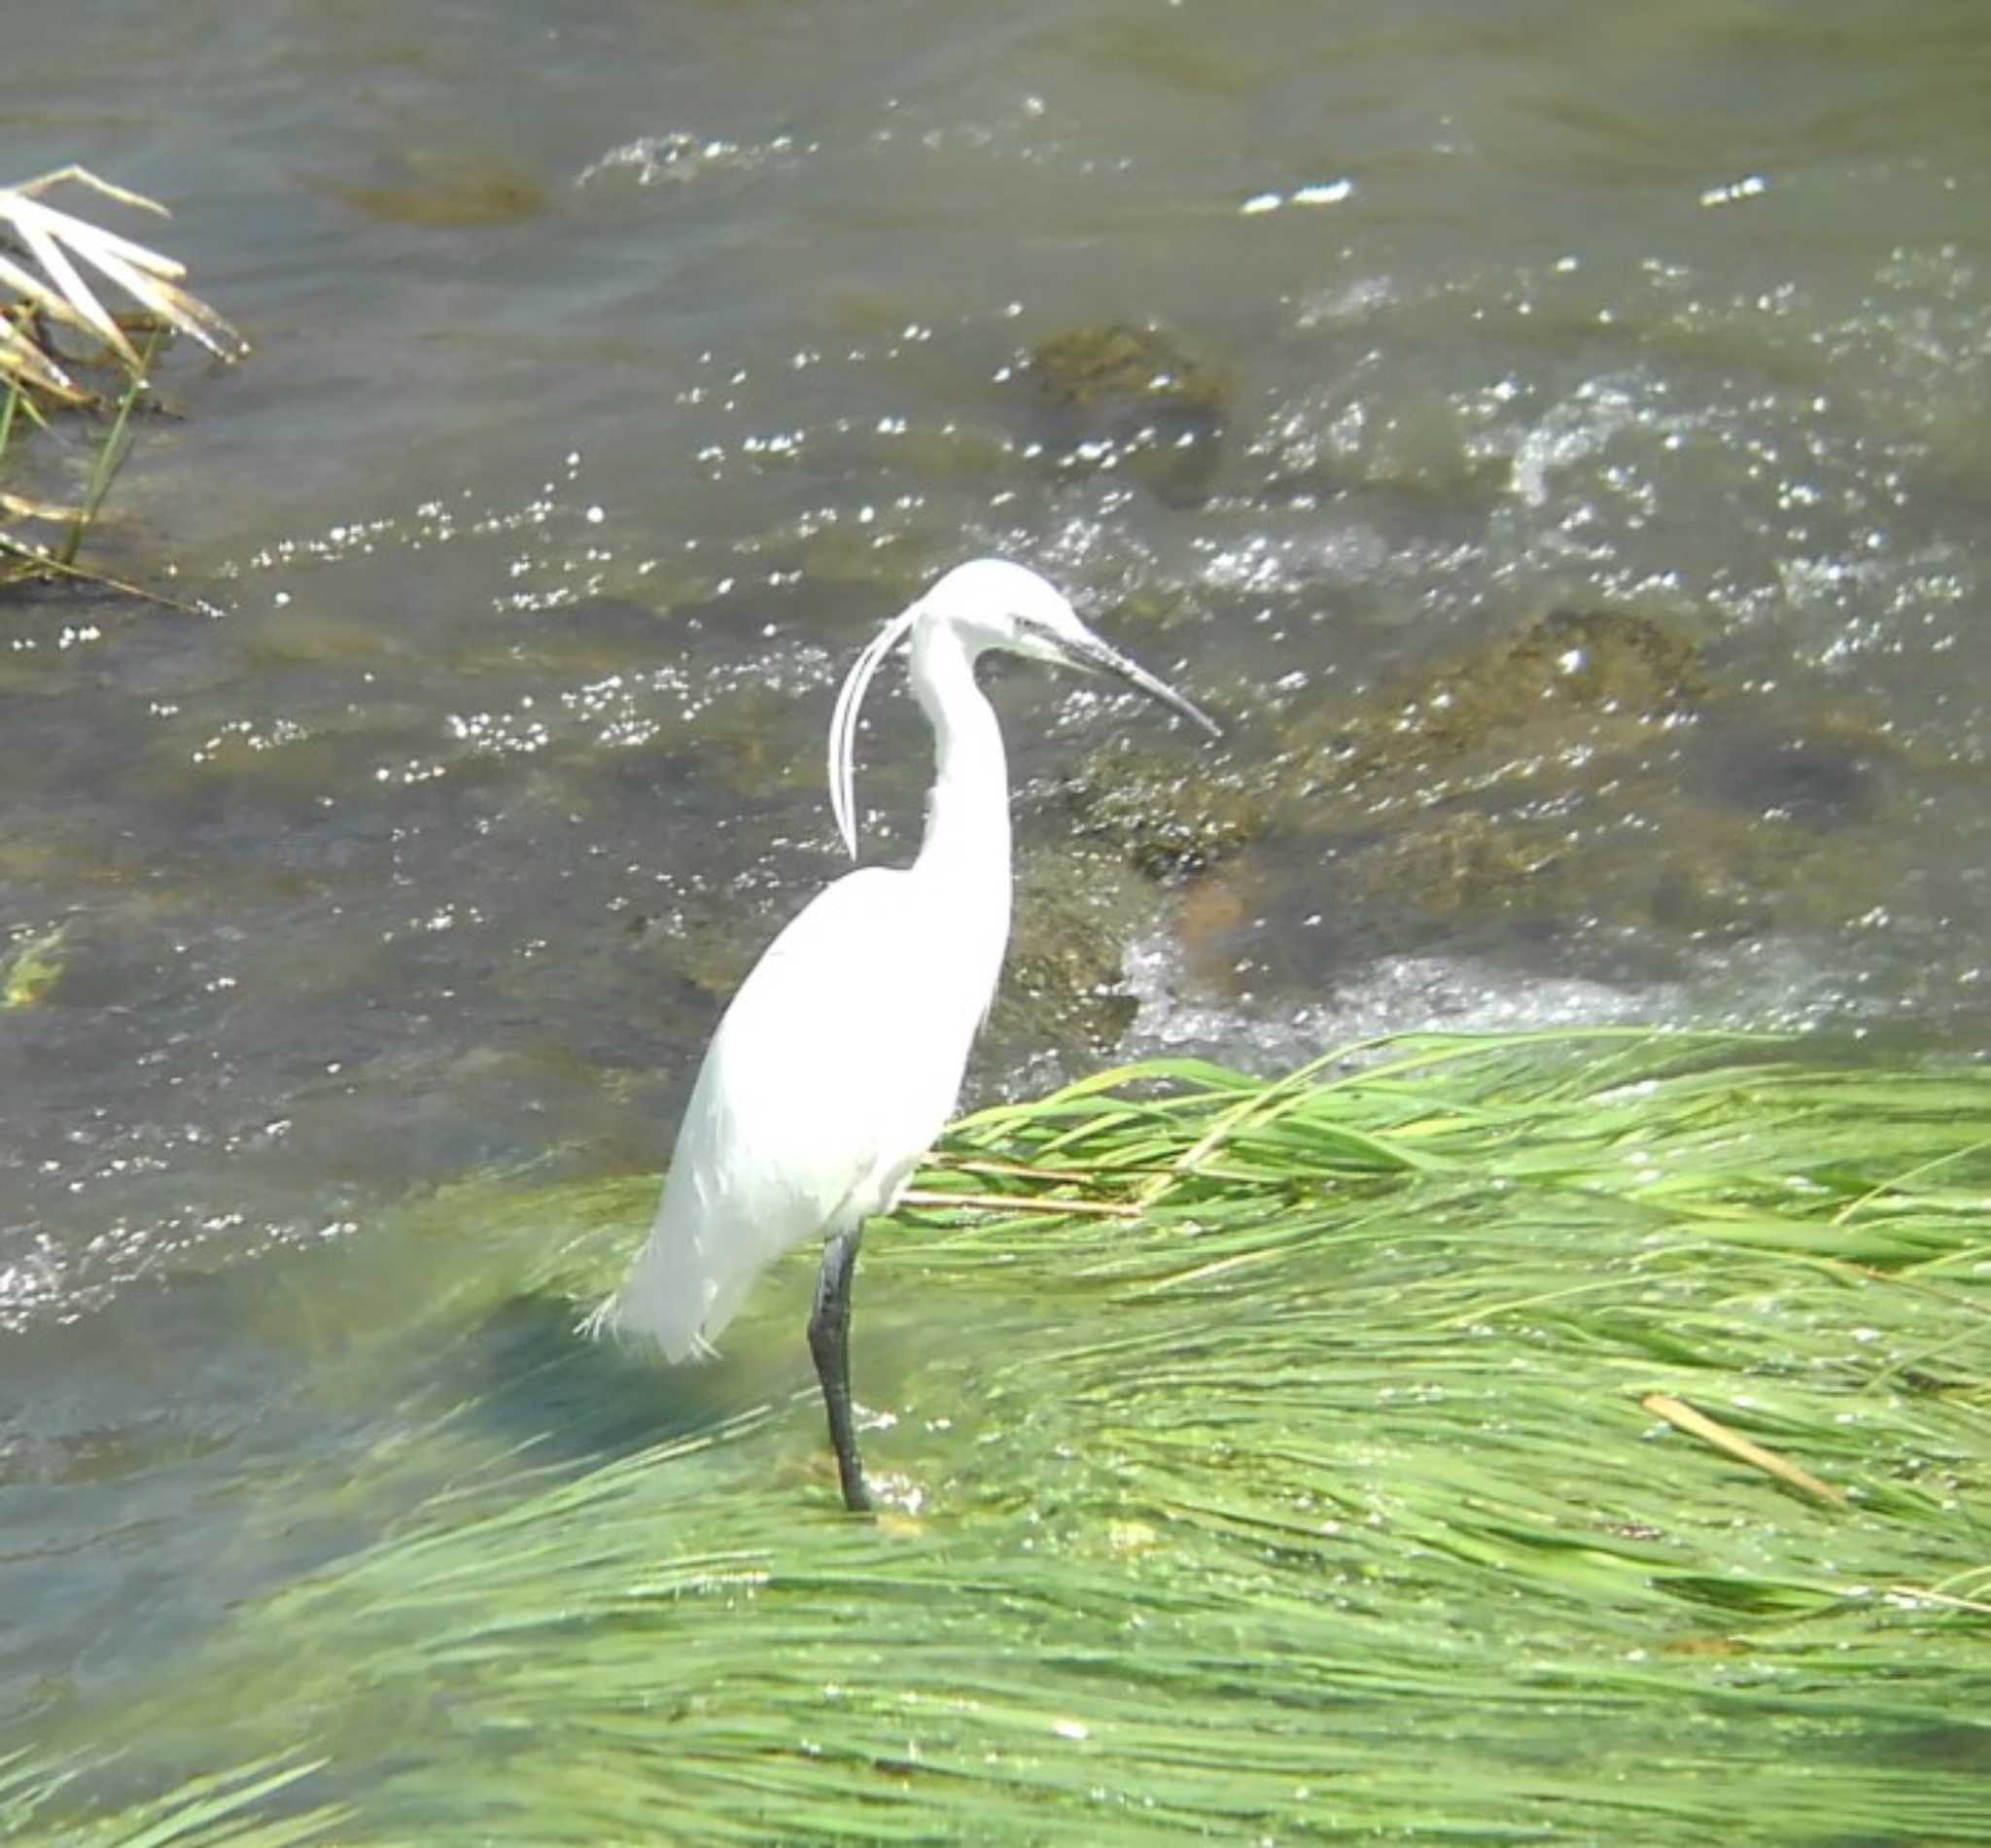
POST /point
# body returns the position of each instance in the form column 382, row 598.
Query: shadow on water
column 295, row 1414
column 532, row 1380
column 465, row 1359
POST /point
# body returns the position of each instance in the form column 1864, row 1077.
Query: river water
column 1568, row 478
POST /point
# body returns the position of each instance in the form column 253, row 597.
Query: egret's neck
column 968, row 819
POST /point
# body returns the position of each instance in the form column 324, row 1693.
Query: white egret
column 840, row 1059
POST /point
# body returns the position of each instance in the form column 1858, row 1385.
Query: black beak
column 1102, row 657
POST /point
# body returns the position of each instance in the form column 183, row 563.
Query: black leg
column 829, row 1341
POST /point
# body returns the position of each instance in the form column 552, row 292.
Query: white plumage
column 815, row 1101
column 841, row 1056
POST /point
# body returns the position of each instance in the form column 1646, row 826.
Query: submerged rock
column 1064, row 982
column 1830, row 776
column 447, row 190
column 1167, row 816
column 1583, row 791
column 1134, row 399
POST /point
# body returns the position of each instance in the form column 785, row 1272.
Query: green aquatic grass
column 212, row 1810
column 1319, row 1499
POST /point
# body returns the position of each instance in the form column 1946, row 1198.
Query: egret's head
column 987, row 604
column 990, row 604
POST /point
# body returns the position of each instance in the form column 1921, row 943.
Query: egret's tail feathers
column 612, row 1320
column 599, row 1320
column 694, row 1269
column 630, row 1315
column 671, row 1299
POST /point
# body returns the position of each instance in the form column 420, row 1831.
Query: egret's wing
column 841, row 1053
column 835, row 1066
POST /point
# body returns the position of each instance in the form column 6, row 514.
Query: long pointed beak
column 1103, row 657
